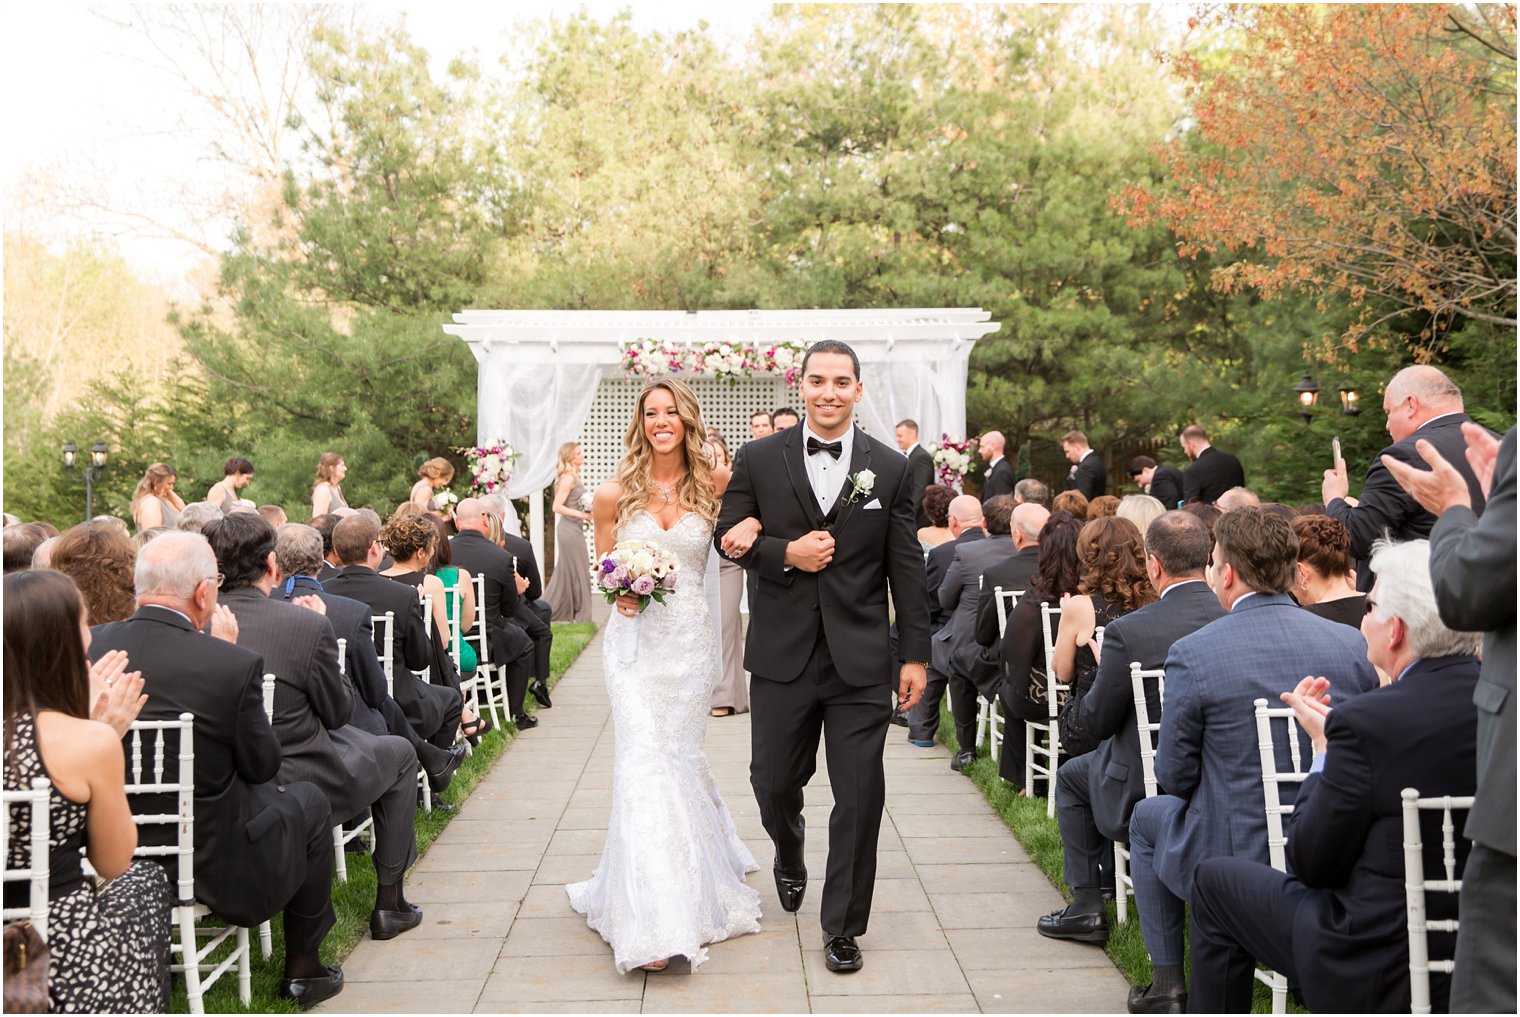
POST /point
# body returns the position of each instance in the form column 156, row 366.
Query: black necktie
column 833, row 448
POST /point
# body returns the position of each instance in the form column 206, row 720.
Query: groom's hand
column 910, row 686
column 811, row 551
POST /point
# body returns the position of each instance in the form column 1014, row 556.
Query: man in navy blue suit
column 1207, row 761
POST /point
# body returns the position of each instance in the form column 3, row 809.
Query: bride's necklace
column 667, row 493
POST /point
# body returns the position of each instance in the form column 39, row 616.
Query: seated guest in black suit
column 1164, row 483
column 1030, row 491
column 1017, row 573
column 1000, row 475
column 260, row 849
column 324, row 525
column 432, row 710
column 1421, row 404
column 534, row 613
column 298, row 551
column 1096, row 792
column 1337, row 926
column 966, row 526
column 510, row 647
column 1088, row 474
column 1324, row 583
column 1213, row 472
column 312, row 703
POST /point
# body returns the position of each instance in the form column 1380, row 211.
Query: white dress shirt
column 825, row 473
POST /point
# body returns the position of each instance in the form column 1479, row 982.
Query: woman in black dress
column 108, row 949
column 1324, row 582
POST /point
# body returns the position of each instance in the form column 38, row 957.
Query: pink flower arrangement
column 728, row 361
column 952, row 460
column 490, row 466
column 636, row 567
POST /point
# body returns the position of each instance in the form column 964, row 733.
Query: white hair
column 1140, row 509
column 495, row 503
column 173, row 565
column 1404, row 591
column 1427, row 384
column 196, row 515
column 298, row 549
column 1236, row 498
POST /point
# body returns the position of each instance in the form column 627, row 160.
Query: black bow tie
column 833, row 448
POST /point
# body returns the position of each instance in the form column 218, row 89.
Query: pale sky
column 81, row 101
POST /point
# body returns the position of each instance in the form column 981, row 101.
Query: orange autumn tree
column 1359, row 151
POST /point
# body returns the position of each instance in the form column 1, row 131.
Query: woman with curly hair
column 1324, row 580
column 937, row 498
column 1111, row 553
column 1023, row 692
column 154, row 503
column 101, row 559
column 1074, row 502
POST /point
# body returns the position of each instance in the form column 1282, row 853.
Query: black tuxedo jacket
column 527, row 566
column 1107, row 712
column 1167, row 487
column 411, row 647
column 921, row 469
column 1000, row 480
column 1212, row 474
column 1346, row 835
column 250, row 840
column 1385, row 506
column 936, row 564
column 1090, row 476
column 876, row 546
column 1017, row 573
column 474, row 552
column 350, row 620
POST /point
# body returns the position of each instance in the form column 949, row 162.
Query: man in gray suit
column 1472, row 567
column 1207, row 760
column 312, row 705
column 959, row 594
column 1095, row 792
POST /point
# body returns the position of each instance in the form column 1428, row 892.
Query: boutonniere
column 861, row 484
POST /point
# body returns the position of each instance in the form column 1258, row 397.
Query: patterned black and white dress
column 108, row 951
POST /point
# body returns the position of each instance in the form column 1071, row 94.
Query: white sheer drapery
column 535, row 406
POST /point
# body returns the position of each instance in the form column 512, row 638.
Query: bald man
column 966, row 526
column 1000, row 475
column 1421, row 404
column 510, row 646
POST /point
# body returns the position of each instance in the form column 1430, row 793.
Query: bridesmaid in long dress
column 569, row 590
column 731, row 695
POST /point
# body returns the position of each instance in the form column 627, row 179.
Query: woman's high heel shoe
column 473, row 730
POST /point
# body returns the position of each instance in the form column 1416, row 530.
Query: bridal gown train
column 671, row 876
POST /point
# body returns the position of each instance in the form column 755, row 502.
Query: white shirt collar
column 1443, row 416
column 846, row 441
column 825, row 475
column 1178, row 586
column 1241, row 600
column 995, row 462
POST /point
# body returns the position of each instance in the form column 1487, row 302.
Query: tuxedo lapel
column 796, row 469
column 860, row 459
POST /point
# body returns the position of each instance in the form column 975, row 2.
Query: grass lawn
column 1041, row 837
column 353, row 901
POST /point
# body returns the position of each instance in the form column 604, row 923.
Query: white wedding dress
column 671, row 876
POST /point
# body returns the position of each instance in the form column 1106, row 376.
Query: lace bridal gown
column 671, row 876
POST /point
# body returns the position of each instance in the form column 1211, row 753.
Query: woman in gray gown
column 731, row 695
column 569, row 590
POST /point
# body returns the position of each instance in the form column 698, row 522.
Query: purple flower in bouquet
column 643, row 586
column 669, row 582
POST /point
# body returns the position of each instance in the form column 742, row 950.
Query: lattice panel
column 724, row 406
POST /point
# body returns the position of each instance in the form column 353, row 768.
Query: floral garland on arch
column 726, row 361
column 952, row 460
column 490, row 465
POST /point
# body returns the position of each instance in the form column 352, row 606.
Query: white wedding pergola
column 548, row 377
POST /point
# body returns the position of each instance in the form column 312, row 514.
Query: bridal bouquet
column 636, row 567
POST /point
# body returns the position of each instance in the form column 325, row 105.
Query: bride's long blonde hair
column 696, row 490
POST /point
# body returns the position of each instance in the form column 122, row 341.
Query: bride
column 671, row 876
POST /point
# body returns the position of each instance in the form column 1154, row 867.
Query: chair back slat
column 269, row 684
column 342, row 656
column 182, row 787
column 1006, row 601
column 1149, row 730
column 385, row 646
column 1416, row 886
column 37, row 800
column 1275, row 781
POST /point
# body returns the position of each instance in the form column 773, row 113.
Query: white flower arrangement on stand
column 727, row 361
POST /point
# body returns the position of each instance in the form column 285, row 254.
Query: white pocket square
column 874, row 503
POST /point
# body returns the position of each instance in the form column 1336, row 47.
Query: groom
column 837, row 515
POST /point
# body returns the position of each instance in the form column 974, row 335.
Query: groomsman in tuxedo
column 1164, row 483
column 838, row 542
column 1422, row 404
column 1088, row 474
column 1000, row 476
column 1213, row 472
column 783, row 418
column 920, row 465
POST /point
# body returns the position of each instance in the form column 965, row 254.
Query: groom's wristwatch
column 920, row 663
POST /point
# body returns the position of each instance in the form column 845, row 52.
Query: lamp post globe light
column 99, row 454
column 1308, row 395
column 1350, row 401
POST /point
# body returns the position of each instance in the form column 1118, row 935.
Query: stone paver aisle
column 952, row 926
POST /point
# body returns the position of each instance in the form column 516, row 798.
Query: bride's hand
column 741, row 537
column 627, row 604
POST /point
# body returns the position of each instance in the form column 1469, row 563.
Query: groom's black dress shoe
column 790, row 887
column 1143, row 1000
column 540, row 691
column 1062, row 924
column 841, row 954
column 308, row 992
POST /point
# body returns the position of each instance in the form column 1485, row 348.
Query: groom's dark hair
column 831, row 346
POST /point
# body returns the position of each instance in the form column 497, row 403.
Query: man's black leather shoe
column 790, row 887
column 540, row 691
column 899, row 718
column 440, row 779
column 841, row 954
column 962, row 760
column 1062, row 924
column 1142, row 1000
column 525, row 721
column 308, row 992
column 390, row 924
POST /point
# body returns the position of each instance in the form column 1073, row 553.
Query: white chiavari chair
column 492, row 679
column 989, row 714
column 384, row 626
column 1274, row 782
column 469, row 685
column 1148, row 731
column 153, row 777
column 341, row 837
column 1050, row 727
column 1416, row 886
column 37, row 803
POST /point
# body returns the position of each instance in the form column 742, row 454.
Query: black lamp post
column 97, row 464
column 1350, row 401
column 1308, row 395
